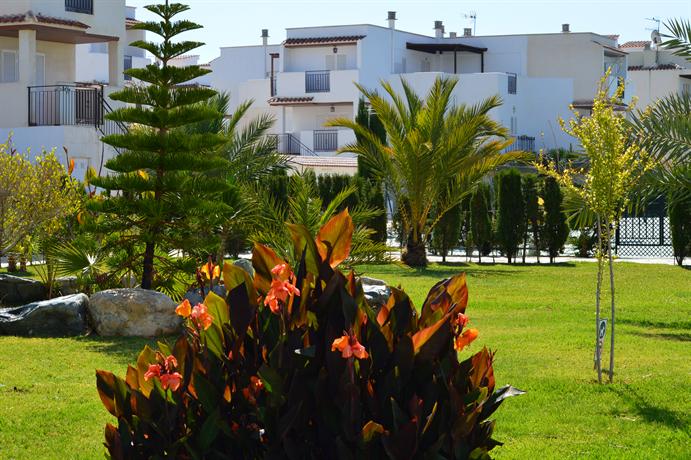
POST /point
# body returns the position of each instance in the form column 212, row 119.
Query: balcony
column 325, row 140
column 80, row 6
column 317, row 81
column 523, row 143
column 60, row 105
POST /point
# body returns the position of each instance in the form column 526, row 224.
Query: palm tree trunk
column 611, row 293
column 598, row 364
column 415, row 253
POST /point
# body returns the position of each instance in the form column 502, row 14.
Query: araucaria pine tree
column 161, row 177
column 510, row 220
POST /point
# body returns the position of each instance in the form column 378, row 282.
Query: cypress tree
column 447, row 232
column 556, row 230
column 510, row 220
column 679, row 212
column 532, row 213
column 161, row 177
column 481, row 220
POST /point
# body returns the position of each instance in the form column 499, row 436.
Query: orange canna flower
column 349, row 346
column 211, row 271
column 184, row 309
column 171, row 381
column 154, row 371
column 460, row 320
column 465, row 339
column 280, row 290
column 282, row 271
column 201, row 317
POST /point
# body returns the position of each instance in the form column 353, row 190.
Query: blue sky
column 234, row 22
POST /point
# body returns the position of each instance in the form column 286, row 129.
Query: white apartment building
column 92, row 58
column 308, row 78
column 655, row 72
column 42, row 105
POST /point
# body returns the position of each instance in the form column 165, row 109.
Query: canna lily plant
column 294, row 363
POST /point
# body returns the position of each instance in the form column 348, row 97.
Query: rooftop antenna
column 656, row 21
column 473, row 17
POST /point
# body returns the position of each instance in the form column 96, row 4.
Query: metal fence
column 317, row 81
column 325, row 140
column 80, row 6
column 645, row 235
column 60, row 105
column 524, row 143
column 288, row 144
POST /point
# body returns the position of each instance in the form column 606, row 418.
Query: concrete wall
column 314, row 57
column 651, row 85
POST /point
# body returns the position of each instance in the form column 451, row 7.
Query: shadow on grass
column 676, row 325
column 678, row 336
column 649, row 412
column 127, row 348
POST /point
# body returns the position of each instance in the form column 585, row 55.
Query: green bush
column 680, row 225
column 296, row 364
column 556, row 230
column 481, row 220
column 510, row 213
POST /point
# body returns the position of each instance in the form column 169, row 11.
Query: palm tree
column 435, row 153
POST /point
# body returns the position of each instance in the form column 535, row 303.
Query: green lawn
column 540, row 319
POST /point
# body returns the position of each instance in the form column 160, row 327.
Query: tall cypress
column 510, row 220
column 481, row 220
column 162, row 177
column 556, row 230
column 532, row 213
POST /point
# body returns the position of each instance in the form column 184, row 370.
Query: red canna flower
column 465, row 339
column 170, row 363
column 460, row 320
column 349, row 346
column 184, row 309
column 171, row 381
column 154, row 371
column 282, row 271
column 201, row 317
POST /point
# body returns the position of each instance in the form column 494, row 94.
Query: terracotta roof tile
column 315, row 41
column 129, row 22
column 30, row 17
column 290, row 100
column 635, row 44
column 656, row 67
column 308, row 160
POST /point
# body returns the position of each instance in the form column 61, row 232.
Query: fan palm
column 436, row 153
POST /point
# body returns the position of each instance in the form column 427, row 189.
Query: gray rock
column 133, row 312
column 58, row 317
column 195, row 297
column 245, row 264
column 376, row 291
column 17, row 290
column 67, row 285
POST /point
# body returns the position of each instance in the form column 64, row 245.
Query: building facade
column 309, row 77
column 44, row 105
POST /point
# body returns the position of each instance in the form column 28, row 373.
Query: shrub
column 511, row 215
column 481, row 220
column 556, row 229
column 296, row 364
column 680, row 225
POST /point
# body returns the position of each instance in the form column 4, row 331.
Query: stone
column 133, row 312
column 195, row 297
column 66, row 285
column 376, row 291
column 59, row 317
column 15, row 290
column 245, row 264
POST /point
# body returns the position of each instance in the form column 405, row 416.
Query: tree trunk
column 415, row 254
column 148, row 273
column 598, row 364
column 611, row 293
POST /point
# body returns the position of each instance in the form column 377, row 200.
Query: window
column 128, row 65
column 8, row 66
column 40, row 71
column 335, row 61
column 425, row 65
column 80, row 6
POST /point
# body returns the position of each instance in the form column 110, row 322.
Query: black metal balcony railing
column 273, row 86
column 288, row 144
column 325, row 140
column 60, row 105
column 317, row 81
column 513, row 79
column 80, row 6
column 524, row 143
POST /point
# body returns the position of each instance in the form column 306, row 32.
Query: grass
column 540, row 319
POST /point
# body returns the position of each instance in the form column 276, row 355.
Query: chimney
column 467, row 32
column 565, row 28
column 392, row 19
column 438, row 29
column 452, row 35
column 265, row 37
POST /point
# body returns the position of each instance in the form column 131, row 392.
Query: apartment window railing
column 513, row 79
column 61, row 105
column 274, row 80
column 325, row 140
column 288, row 144
column 317, row 81
column 80, row 6
column 524, row 143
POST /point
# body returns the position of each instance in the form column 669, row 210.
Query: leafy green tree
column 532, row 213
column 481, row 220
column 556, row 230
column 615, row 165
column 163, row 175
column 436, row 153
column 511, row 213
